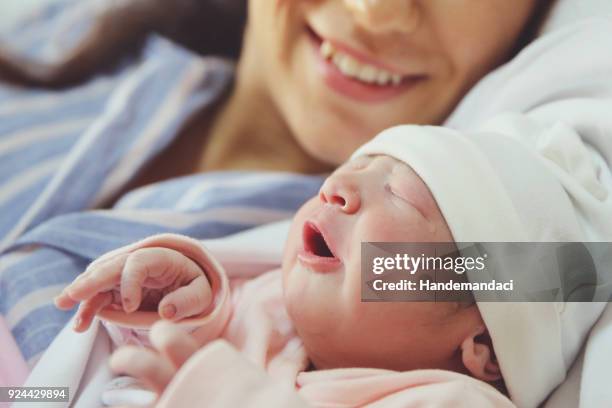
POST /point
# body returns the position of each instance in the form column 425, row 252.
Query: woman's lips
column 316, row 254
column 355, row 88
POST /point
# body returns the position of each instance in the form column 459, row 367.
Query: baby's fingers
column 139, row 266
column 187, row 301
column 64, row 302
column 89, row 308
column 172, row 342
column 154, row 268
column 99, row 278
column 144, row 364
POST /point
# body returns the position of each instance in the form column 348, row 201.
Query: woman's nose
column 338, row 191
column 385, row 15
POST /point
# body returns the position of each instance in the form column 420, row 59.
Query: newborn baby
column 306, row 317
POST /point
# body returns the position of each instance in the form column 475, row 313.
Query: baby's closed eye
column 401, row 193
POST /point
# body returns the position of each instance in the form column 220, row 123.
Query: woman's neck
column 249, row 132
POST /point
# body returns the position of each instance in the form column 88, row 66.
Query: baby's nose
column 340, row 192
column 385, row 15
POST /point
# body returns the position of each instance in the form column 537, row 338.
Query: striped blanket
column 62, row 154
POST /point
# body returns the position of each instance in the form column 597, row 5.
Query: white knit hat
column 493, row 188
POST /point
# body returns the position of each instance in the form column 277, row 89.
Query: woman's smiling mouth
column 353, row 68
column 316, row 253
column 355, row 75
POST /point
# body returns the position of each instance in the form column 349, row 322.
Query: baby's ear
column 478, row 356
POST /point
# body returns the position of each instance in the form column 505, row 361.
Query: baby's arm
column 150, row 278
column 155, row 367
column 181, row 373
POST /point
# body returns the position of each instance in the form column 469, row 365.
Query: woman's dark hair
column 534, row 24
column 207, row 27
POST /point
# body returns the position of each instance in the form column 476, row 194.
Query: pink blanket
column 221, row 375
column 13, row 369
column 261, row 362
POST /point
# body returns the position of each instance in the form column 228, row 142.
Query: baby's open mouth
column 314, row 242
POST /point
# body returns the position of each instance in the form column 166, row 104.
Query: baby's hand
column 156, row 366
column 145, row 279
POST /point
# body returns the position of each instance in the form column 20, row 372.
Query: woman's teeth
column 352, row 68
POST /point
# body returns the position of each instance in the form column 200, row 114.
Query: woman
column 317, row 79
column 438, row 50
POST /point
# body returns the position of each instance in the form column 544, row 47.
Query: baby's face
column 368, row 199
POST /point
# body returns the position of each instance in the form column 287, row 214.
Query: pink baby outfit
column 266, row 362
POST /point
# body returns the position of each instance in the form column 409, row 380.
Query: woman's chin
column 330, row 150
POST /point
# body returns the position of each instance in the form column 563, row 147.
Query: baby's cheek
column 442, row 232
column 402, row 227
column 437, row 226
